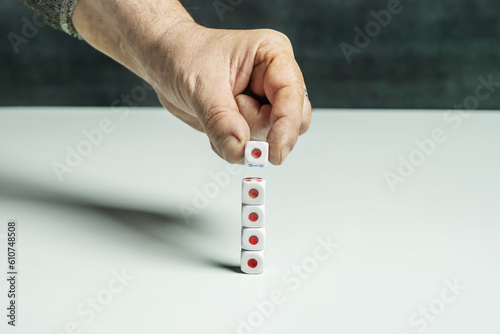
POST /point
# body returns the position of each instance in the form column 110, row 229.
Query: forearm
column 128, row 30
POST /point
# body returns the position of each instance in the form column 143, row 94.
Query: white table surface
column 120, row 210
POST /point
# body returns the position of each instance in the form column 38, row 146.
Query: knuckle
column 278, row 35
column 285, row 39
column 276, row 38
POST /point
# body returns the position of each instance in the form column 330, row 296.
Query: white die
column 256, row 154
column 253, row 238
column 253, row 191
column 253, row 215
column 252, row 262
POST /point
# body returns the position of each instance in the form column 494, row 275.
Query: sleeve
column 57, row 13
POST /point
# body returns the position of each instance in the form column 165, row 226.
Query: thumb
column 224, row 125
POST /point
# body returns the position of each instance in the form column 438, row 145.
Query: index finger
column 284, row 87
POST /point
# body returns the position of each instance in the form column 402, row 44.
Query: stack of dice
column 253, row 195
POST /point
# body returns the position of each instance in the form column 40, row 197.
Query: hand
column 233, row 85
column 204, row 79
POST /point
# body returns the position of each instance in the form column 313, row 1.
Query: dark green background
column 429, row 56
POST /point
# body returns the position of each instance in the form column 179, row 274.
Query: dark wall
column 429, row 55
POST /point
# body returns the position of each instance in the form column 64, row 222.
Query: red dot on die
column 256, row 153
column 253, row 240
column 253, row 217
column 253, row 193
column 252, row 263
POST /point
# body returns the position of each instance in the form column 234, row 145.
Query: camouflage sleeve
column 57, row 13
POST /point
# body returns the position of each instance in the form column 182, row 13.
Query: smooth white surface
column 122, row 209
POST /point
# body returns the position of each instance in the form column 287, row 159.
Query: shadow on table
column 162, row 227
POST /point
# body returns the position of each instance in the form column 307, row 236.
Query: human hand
column 234, row 85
